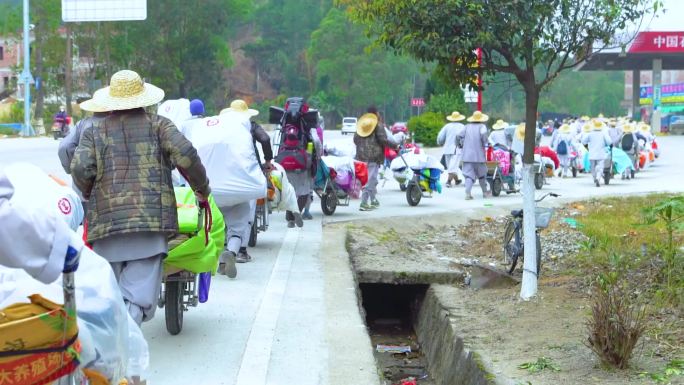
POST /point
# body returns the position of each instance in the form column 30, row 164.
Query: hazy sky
column 671, row 20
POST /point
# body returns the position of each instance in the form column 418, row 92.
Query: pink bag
column 504, row 159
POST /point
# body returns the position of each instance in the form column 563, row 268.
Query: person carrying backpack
column 298, row 153
column 563, row 146
column 370, row 140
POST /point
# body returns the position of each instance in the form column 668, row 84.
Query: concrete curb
column 350, row 358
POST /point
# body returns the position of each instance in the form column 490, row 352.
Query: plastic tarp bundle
column 416, row 162
column 196, row 254
column 225, row 145
column 340, row 148
column 111, row 343
column 345, row 173
column 621, row 161
column 285, row 196
column 176, row 110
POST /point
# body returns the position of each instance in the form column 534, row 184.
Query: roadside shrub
column 15, row 114
column 425, row 127
column 447, row 102
column 616, row 323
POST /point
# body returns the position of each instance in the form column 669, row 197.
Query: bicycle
column 513, row 246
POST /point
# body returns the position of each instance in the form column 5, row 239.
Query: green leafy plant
column 542, row 363
column 673, row 368
column 425, row 127
column 670, row 212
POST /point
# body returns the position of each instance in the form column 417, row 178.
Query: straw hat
column 585, row 118
column 241, row 107
column 520, row 131
column 499, row 125
column 597, row 125
column 478, row 117
column 586, row 127
column 644, row 127
column 90, row 105
column 366, row 124
column 628, row 127
column 455, row 117
column 126, row 91
column 564, row 128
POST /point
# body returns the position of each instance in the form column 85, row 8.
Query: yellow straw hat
column 520, row 131
column 366, row 124
column 478, row 117
column 90, row 105
column 585, row 118
column 499, row 125
column 455, row 117
column 564, row 128
column 597, row 125
column 644, row 127
column 126, row 91
column 628, row 127
column 586, row 127
column 241, row 107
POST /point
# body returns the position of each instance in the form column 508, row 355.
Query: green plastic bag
column 193, row 255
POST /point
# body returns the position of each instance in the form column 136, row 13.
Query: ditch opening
column 391, row 312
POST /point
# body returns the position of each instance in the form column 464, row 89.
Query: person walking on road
column 474, row 138
column 123, row 166
column 597, row 140
column 448, row 137
column 370, row 140
column 497, row 138
column 564, row 146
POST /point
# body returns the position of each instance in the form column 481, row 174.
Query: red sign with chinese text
column 658, row 42
column 417, row 102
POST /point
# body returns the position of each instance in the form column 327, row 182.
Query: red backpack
column 292, row 154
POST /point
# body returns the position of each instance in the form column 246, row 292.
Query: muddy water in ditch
column 391, row 311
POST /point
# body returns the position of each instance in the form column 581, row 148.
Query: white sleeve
column 31, row 239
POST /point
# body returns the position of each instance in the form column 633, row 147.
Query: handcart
column 330, row 194
column 419, row 185
column 261, row 214
column 193, row 257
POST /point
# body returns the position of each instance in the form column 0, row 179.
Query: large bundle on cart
column 39, row 342
column 201, row 235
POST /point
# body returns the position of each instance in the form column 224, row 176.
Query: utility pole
column 26, row 79
column 68, row 69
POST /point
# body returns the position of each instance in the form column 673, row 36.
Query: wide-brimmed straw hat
column 478, row 117
column 241, row 107
column 520, row 131
column 564, row 128
column 585, row 118
column 455, row 117
column 366, row 124
column 644, row 127
column 499, row 125
column 597, row 125
column 586, row 127
column 90, row 105
column 126, row 91
column 628, row 127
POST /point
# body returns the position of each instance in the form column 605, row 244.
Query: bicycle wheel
column 173, row 306
column 510, row 253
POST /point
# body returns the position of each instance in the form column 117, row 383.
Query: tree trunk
column 528, row 288
column 68, row 69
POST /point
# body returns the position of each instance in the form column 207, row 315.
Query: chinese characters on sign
column 658, row 42
column 669, row 93
column 417, row 102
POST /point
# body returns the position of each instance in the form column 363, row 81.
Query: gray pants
column 248, row 229
column 237, row 218
column 139, row 282
column 597, row 168
column 564, row 161
column 370, row 190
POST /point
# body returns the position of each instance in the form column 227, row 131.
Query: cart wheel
column 574, row 172
column 538, row 181
column 496, row 187
column 173, row 306
column 253, row 234
column 413, row 194
column 329, row 202
column 606, row 177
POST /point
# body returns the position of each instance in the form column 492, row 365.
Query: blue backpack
column 562, row 148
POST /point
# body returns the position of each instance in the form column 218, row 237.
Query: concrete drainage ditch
column 403, row 317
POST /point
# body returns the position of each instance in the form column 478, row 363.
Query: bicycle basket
column 543, row 217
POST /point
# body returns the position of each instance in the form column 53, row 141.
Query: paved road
column 290, row 317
